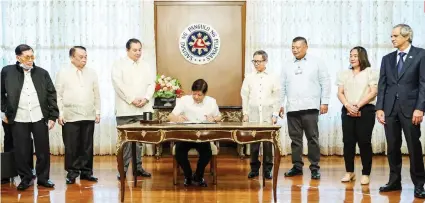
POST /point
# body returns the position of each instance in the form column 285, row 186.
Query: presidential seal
column 199, row 43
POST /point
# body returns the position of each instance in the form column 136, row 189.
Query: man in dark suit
column 28, row 101
column 400, row 106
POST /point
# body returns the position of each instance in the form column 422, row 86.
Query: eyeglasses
column 27, row 58
column 257, row 61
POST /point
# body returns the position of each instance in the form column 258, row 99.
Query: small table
column 239, row 132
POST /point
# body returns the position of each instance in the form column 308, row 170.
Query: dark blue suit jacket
column 409, row 84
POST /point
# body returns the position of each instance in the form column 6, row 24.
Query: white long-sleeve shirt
column 305, row 84
column 132, row 80
column 260, row 94
column 29, row 110
column 196, row 112
column 78, row 93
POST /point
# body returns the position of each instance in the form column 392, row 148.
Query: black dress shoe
column 89, row 178
column 200, row 181
column 24, row 185
column 268, row 175
column 253, row 174
column 315, row 174
column 293, row 172
column 419, row 192
column 187, row 182
column 70, row 181
column 143, row 173
column 48, row 184
column 390, row 187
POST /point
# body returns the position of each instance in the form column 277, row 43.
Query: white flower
column 175, row 87
column 164, row 88
column 168, row 78
column 162, row 76
column 160, row 80
column 162, row 84
column 169, row 85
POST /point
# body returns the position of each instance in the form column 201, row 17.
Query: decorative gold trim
column 277, row 141
column 252, row 141
column 118, row 144
column 274, row 137
column 198, row 140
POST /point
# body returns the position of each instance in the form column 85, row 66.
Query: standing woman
column 357, row 90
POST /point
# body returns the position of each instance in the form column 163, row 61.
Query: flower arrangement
column 167, row 87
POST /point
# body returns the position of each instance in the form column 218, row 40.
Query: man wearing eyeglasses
column 260, row 103
column 28, row 101
column 306, row 87
column 78, row 115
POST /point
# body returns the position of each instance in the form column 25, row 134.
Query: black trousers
column 205, row 154
column 78, row 140
column 267, row 153
column 8, row 138
column 395, row 122
column 8, row 142
column 300, row 122
column 8, row 145
column 22, row 147
column 358, row 130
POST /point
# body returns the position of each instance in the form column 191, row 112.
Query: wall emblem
column 199, row 43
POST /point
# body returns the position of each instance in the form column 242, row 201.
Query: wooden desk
column 241, row 133
column 228, row 114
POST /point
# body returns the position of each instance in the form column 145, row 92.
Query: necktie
column 400, row 61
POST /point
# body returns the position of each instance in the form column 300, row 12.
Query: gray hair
column 405, row 31
column 262, row 53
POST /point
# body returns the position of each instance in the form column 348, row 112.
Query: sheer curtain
column 52, row 27
column 332, row 28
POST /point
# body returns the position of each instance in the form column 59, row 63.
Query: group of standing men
column 31, row 104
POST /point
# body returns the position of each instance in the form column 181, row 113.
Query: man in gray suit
column 400, row 106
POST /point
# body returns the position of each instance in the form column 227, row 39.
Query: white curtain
column 52, row 27
column 332, row 28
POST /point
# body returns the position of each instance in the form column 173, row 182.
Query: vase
column 167, row 102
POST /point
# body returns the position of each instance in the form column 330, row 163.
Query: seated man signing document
column 197, row 108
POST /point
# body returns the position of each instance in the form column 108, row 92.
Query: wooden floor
column 233, row 185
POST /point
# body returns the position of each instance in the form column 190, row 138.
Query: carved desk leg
column 277, row 156
column 121, row 165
